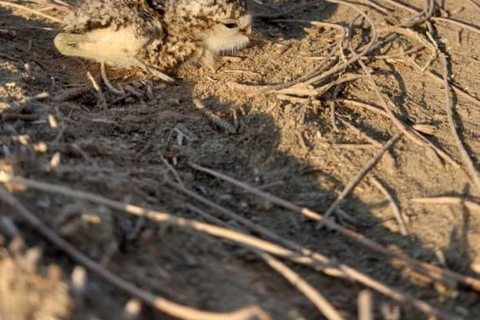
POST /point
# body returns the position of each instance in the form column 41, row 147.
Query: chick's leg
column 153, row 72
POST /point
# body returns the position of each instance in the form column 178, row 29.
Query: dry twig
column 359, row 176
column 470, row 167
column 21, row 7
column 471, row 204
column 393, row 204
column 365, row 305
column 409, row 132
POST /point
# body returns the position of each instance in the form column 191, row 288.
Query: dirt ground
column 135, row 147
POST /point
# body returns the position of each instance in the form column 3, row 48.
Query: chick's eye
column 230, row 25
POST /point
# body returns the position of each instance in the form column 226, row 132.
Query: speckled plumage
column 159, row 34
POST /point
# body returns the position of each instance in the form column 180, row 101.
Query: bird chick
column 155, row 35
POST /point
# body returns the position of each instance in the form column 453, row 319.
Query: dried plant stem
column 336, row 91
column 475, row 3
column 377, row 6
column 167, row 218
column 316, row 76
column 425, row 268
column 21, row 7
column 458, row 23
column 470, row 167
column 472, row 205
column 363, row 105
column 57, row 4
column 365, row 305
column 361, row 133
column 156, row 302
column 409, row 132
column 310, row 292
column 359, row 176
column 413, row 34
column 102, row 102
column 401, row 6
column 461, row 92
column 165, row 305
column 322, row 304
column 429, row 15
column 304, row 90
column 393, row 204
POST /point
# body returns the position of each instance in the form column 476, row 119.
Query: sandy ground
column 135, row 148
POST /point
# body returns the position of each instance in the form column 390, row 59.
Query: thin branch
column 38, row 13
column 470, row 167
column 377, row 6
column 162, row 217
column 393, row 204
column 401, row 6
column 408, row 131
column 365, row 305
column 471, row 204
column 311, row 293
column 458, row 23
column 475, row 3
column 359, row 176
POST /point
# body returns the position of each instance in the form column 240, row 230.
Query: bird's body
column 156, row 35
